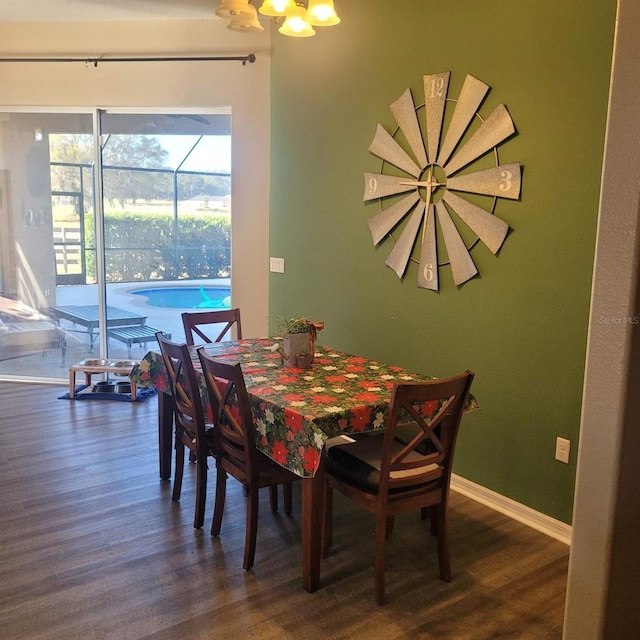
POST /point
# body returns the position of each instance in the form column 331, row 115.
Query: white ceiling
column 104, row 10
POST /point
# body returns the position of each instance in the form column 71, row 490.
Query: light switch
column 276, row 265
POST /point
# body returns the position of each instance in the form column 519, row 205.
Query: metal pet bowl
column 105, row 387
column 124, row 364
column 123, row 387
column 95, row 362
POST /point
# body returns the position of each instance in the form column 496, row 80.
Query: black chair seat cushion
column 358, row 461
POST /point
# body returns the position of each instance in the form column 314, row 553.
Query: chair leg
column 381, row 540
column 288, row 497
column 433, row 515
column 201, row 490
column 177, row 479
column 327, row 521
column 218, row 509
column 273, row 497
column 389, row 526
column 440, row 512
column 251, row 528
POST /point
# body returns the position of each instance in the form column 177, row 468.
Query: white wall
column 166, row 85
column 603, row 588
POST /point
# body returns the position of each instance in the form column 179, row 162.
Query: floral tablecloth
column 296, row 410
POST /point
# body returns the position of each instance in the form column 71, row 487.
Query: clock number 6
column 427, row 272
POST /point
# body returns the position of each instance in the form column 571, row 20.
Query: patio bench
column 135, row 335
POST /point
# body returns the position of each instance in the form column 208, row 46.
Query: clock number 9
column 427, row 272
column 437, row 88
column 373, row 185
column 506, row 177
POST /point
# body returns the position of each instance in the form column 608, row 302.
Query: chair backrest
column 193, row 320
column 185, row 393
column 434, row 410
column 232, row 417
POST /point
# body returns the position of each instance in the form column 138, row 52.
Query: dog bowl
column 95, row 362
column 123, row 387
column 123, row 364
column 104, row 387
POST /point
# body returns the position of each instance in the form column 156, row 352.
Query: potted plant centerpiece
column 299, row 337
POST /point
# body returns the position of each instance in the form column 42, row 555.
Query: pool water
column 187, row 297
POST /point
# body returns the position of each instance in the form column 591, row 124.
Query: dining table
column 295, row 412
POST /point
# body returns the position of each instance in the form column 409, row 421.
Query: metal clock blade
column 502, row 181
column 496, row 128
column 435, row 96
column 471, row 96
column 378, row 185
column 428, row 267
column 404, row 111
column 489, row 228
column 462, row 266
column 399, row 256
column 382, row 223
column 385, row 147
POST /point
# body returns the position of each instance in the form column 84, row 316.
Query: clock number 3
column 506, row 177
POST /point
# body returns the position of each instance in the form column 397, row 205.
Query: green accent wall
column 522, row 324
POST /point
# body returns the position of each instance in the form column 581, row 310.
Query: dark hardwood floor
column 92, row 547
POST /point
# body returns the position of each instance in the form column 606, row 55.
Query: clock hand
column 424, row 183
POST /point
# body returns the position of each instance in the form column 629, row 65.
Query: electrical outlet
column 276, row 265
column 562, row 450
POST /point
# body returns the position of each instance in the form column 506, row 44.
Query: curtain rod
column 250, row 57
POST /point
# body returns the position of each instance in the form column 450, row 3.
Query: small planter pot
column 303, row 361
column 294, row 344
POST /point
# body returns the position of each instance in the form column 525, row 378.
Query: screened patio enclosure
column 97, row 204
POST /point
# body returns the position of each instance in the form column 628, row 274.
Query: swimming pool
column 187, row 297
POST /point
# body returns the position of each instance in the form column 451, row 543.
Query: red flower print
column 293, row 397
column 160, row 383
column 262, row 391
column 279, row 452
column 334, row 379
column 343, row 424
column 323, row 398
column 361, row 418
column 368, row 396
column 357, row 359
column 354, row 368
column 310, row 458
column 429, row 408
column 293, row 420
column 287, row 378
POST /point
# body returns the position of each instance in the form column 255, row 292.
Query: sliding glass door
column 113, row 223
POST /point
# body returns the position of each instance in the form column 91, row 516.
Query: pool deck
column 49, row 365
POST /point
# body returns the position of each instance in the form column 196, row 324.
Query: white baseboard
column 534, row 519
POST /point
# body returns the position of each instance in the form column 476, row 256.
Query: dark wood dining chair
column 389, row 475
column 193, row 321
column 237, row 453
column 191, row 430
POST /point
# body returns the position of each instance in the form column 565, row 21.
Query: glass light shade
column 279, row 8
column 232, row 9
column 321, row 13
column 246, row 24
column 297, row 27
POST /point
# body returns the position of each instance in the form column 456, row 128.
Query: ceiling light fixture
column 297, row 19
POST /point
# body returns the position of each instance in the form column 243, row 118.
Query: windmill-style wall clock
column 435, row 174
